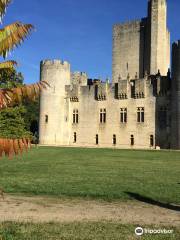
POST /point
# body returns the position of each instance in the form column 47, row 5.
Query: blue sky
column 79, row 31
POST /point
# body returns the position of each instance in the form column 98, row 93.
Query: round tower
column 175, row 107
column 52, row 124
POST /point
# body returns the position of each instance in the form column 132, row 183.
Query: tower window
column 75, row 116
column 140, row 114
column 75, row 137
column 114, row 139
column 102, row 115
column 151, row 140
column 97, row 139
column 46, row 119
column 132, row 140
column 123, row 115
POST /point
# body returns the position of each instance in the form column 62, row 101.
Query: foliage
column 12, row 124
column 10, row 78
column 11, row 36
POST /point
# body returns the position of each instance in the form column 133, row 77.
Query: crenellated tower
column 53, row 125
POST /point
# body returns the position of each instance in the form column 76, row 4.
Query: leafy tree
column 12, row 124
column 11, row 36
column 10, row 78
column 12, row 120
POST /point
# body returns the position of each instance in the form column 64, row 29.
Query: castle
column 139, row 109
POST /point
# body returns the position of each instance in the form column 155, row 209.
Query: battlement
column 80, row 73
column 55, row 62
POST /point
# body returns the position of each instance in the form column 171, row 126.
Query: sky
column 78, row 31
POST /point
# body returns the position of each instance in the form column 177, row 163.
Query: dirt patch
column 45, row 209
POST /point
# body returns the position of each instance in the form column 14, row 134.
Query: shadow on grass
column 152, row 201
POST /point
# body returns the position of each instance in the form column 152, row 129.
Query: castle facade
column 140, row 109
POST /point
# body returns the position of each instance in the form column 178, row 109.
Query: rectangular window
column 151, row 140
column 102, row 115
column 97, row 139
column 75, row 116
column 140, row 114
column 75, row 137
column 114, row 139
column 132, row 140
column 46, row 118
column 123, row 115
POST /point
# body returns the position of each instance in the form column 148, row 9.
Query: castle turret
column 53, row 129
column 175, row 107
column 158, row 38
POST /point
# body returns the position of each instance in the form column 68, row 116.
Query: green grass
column 94, row 173
column 78, row 231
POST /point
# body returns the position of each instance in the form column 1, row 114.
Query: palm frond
column 16, row 95
column 13, row 35
column 3, row 6
column 8, row 64
column 5, row 98
column 11, row 147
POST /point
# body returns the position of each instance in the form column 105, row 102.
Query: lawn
column 94, row 173
column 78, row 231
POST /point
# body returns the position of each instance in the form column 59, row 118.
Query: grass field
column 94, row 173
column 78, row 231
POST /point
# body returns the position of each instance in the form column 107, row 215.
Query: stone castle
column 140, row 108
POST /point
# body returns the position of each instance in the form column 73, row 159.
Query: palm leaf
column 13, row 35
column 16, row 95
column 8, row 64
column 3, row 6
column 10, row 147
column 5, row 98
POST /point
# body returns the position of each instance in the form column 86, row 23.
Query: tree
column 12, row 124
column 11, row 36
column 13, row 121
column 10, row 78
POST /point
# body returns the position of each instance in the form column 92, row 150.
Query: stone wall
column 79, row 78
column 126, row 50
column 175, row 127
column 142, row 46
